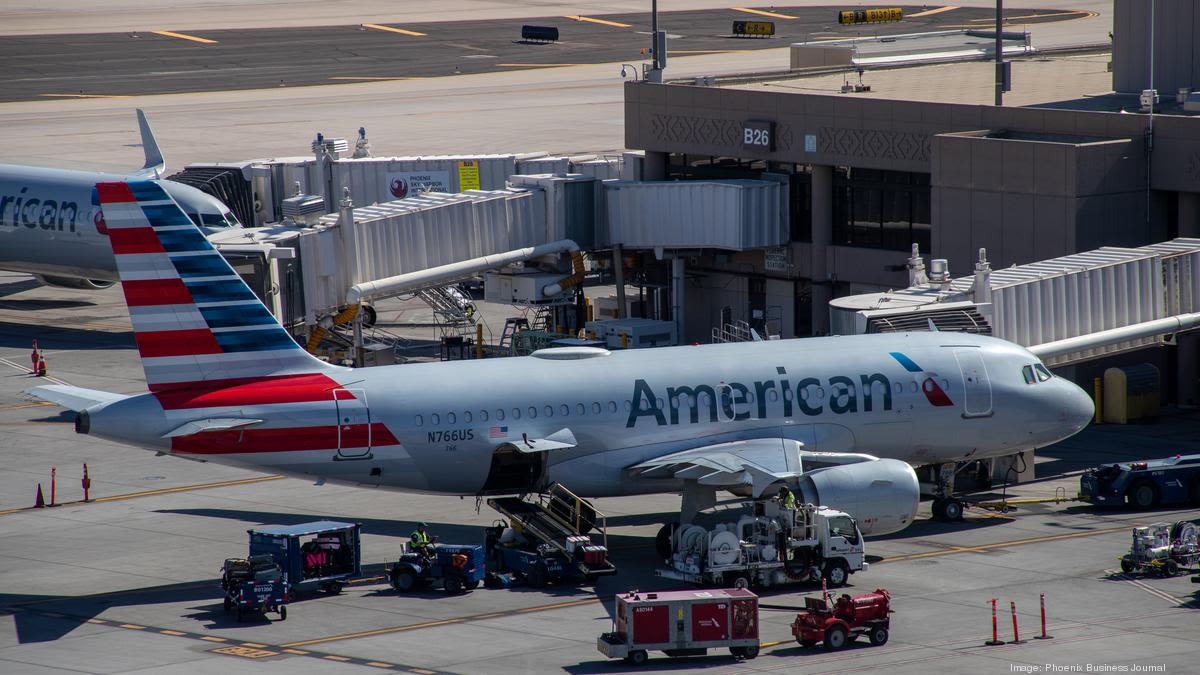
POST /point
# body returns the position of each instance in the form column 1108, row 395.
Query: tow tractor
column 546, row 539
column 1162, row 549
column 460, row 567
column 849, row 618
column 1143, row 484
column 767, row 546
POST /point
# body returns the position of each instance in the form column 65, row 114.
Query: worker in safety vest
column 420, row 541
column 787, row 499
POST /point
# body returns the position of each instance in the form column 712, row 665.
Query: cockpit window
column 1042, row 373
column 226, row 219
column 1027, row 372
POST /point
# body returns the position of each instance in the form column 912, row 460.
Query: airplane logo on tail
column 932, row 390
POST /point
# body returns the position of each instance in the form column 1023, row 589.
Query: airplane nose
column 1077, row 407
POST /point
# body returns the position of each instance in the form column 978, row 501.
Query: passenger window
column 1042, row 373
column 499, row 415
column 549, row 411
column 516, row 413
column 435, row 419
column 420, row 420
column 596, row 408
column 467, row 417
column 612, row 406
column 565, row 409
column 772, row 396
column 532, row 411
column 581, row 409
column 483, row 416
column 659, row 403
column 628, row 405
column 450, row 418
column 897, row 388
column 787, row 394
column 1027, row 373
column 912, row 387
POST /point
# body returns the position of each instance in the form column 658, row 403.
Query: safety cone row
column 1016, row 631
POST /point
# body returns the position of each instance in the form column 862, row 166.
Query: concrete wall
column 1176, row 64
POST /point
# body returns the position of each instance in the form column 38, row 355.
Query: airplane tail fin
column 196, row 322
column 155, row 165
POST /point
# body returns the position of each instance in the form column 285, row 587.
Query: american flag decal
column 498, row 432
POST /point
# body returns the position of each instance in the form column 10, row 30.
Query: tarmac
column 128, row 581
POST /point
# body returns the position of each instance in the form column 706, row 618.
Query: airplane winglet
column 155, row 165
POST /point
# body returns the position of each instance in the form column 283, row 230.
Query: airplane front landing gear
column 946, row 506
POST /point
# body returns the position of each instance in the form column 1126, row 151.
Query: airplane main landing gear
column 948, row 509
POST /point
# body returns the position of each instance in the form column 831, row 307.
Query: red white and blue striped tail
column 195, row 320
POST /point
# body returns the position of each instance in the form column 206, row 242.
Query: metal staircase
column 452, row 319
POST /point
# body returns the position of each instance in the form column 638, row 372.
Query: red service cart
column 683, row 623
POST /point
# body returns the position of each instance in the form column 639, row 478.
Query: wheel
column 453, row 585
column 369, row 316
column 403, row 580
column 536, row 577
column 740, row 581
column 747, row 653
column 836, row 573
column 227, row 604
column 952, row 510
column 283, row 613
column 637, row 657
column 836, row 638
column 1170, row 568
column 1126, row 566
column 471, row 585
column 939, row 509
column 1142, row 495
column 878, row 636
column 662, row 540
column 333, row 587
column 807, row 644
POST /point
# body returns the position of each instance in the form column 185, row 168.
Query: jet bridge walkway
column 558, row 519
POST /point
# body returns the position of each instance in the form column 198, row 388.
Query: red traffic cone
column 41, row 367
column 41, row 502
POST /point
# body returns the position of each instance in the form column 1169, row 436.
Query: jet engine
column 881, row 494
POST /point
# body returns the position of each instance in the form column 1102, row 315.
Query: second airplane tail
column 196, row 322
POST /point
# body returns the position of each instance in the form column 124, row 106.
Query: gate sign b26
column 852, row 16
column 754, row 28
column 758, row 135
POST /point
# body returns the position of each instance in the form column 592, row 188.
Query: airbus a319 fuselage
column 228, row 384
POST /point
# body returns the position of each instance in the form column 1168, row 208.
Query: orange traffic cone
column 34, row 356
column 41, row 502
column 41, row 366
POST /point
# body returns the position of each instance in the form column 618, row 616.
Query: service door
column 354, row 423
column 710, row 621
column 977, row 390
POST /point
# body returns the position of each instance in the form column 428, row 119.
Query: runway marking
column 20, row 406
column 420, row 671
column 298, row 652
column 986, row 548
column 253, row 644
column 132, row 626
column 184, row 36
column 351, row 78
column 212, row 638
column 97, row 621
column 410, row 33
column 379, row 664
column 442, row 622
column 773, row 15
column 1142, row 585
column 176, row 633
column 931, row 12
column 187, row 488
column 84, row 96
column 335, row 657
column 603, row 22
column 246, row 652
column 25, row 370
column 541, row 65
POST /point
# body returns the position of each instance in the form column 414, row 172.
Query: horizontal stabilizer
column 210, row 424
column 559, row 440
column 73, row 398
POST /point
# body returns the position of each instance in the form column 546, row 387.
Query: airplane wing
column 155, row 166
column 756, row 463
column 73, row 398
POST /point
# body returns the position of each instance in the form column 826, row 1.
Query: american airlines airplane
column 841, row 419
column 51, row 224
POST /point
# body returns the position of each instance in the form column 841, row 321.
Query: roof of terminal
column 1071, row 81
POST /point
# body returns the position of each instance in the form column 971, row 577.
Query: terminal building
column 870, row 175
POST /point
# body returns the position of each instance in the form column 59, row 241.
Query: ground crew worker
column 420, row 541
column 787, row 499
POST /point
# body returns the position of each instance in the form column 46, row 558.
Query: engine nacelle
column 881, row 494
column 72, row 282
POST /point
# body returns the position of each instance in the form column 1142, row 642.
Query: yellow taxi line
column 186, row 488
column 411, row 33
column 931, row 12
column 184, row 36
column 773, row 15
column 603, row 22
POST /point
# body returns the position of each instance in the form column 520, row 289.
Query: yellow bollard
column 1098, row 385
column 590, row 310
column 624, row 340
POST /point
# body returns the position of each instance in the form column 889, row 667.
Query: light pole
column 999, row 52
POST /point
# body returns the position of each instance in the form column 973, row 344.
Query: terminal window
column 881, row 209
